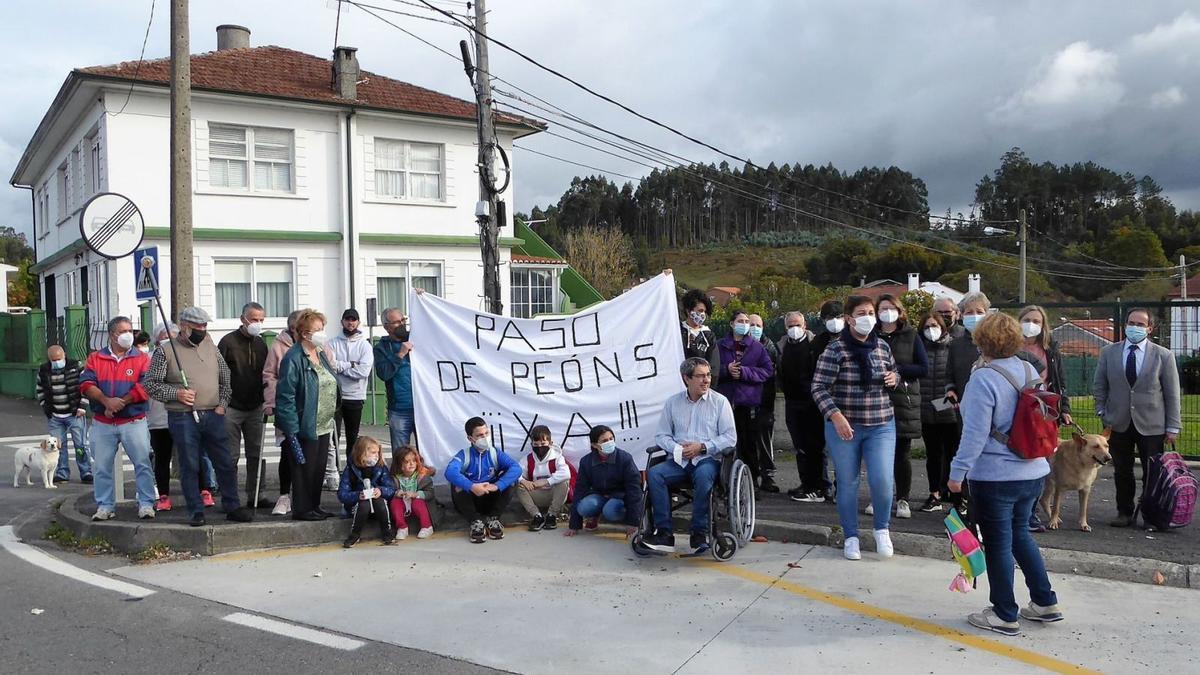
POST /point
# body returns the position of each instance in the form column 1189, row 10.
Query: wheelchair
column 731, row 506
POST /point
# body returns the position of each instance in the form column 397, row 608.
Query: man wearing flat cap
column 192, row 379
column 352, row 362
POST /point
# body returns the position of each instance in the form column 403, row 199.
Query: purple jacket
column 756, row 369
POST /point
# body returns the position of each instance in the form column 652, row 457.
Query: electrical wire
column 423, row 17
column 568, row 161
column 1112, row 264
column 138, row 68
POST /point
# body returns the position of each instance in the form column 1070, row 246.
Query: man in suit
column 1137, row 396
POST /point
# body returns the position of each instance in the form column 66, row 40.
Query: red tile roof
column 286, row 73
column 520, row 258
column 1099, row 327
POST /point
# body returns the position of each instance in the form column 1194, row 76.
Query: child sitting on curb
column 365, row 488
column 414, row 491
column 545, row 481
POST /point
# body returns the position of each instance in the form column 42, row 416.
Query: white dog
column 43, row 458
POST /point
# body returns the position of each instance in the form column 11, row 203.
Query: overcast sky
column 941, row 89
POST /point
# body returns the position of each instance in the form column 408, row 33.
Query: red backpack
column 529, row 464
column 1034, row 432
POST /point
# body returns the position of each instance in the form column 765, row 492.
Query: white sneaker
column 902, row 509
column 425, row 533
column 402, row 533
column 883, row 543
column 283, row 506
column 870, row 510
column 850, row 549
column 146, row 512
column 104, row 514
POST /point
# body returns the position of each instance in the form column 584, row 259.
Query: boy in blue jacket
column 482, row 479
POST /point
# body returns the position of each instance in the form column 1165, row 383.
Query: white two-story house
column 314, row 184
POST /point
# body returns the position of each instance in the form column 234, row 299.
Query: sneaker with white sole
column 424, row 533
column 103, row 513
column 870, row 510
column 402, row 533
column 883, row 543
column 146, row 512
column 902, row 509
column 283, row 506
column 851, row 550
column 988, row 620
column 1035, row 612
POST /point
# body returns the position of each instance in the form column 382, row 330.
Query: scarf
column 861, row 353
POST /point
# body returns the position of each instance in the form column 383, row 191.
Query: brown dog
column 1074, row 466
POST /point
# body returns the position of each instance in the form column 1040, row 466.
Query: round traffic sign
column 111, row 225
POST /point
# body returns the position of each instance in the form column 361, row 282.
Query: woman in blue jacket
column 608, row 484
column 305, row 404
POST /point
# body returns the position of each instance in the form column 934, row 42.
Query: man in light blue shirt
column 696, row 428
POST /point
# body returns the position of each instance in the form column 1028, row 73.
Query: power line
column 407, row 32
column 1112, row 264
column 568, row 161
column 141, row 57
column 423, row 17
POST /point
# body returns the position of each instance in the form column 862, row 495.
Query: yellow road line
column 240, row 556
column 862, row 608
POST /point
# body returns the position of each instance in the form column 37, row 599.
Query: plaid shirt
column 836, row 386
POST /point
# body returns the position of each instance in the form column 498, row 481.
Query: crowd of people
column 857, row 390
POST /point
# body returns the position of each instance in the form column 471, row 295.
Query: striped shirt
column 836, row 385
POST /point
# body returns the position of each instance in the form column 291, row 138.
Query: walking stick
column 262, row 463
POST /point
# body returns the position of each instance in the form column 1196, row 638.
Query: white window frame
column 253, row 282
column 92, row 162
column 43, row 215
column 63, row 184
column 527, row 306
column 408, row 172
column 251, row 159
column 408, row 277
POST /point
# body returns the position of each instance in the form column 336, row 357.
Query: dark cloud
column 941, row 89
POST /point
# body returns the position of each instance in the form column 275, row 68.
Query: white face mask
column 125, row 340
column 1030, row 329
column 863, row 325
column 835, row 325
column 254, row 329
column 933, row 333
column 483, row 443
column 319, row 338
column 889, row 316
column 796, row 333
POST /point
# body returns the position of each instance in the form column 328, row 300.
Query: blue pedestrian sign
column 146, row 277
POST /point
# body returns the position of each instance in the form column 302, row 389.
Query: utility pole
column 1023, row 243
column 182, row 277
column 485, row 211
column 1183, row 289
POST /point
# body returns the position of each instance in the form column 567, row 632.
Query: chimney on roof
column 914, row 281
column 345, row 72
column 973, row 283
column 230, row 36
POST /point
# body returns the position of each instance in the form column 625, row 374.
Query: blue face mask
column 58, row 364
column 756, row 332
column 608, row 447
column 970, row 321
column 741, row 329
column 1135, row 334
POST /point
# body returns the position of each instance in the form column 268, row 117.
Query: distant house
column 721, row 295
column 1185, row 321
column 1082, row 337
column 542, row 281
column 880, row 287
column 4, row 270
column 938, row 290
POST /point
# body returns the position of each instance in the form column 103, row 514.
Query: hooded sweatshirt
column 541, row 468
column 283, row 342
column 353, row 360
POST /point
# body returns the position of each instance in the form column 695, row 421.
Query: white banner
column 614, row 363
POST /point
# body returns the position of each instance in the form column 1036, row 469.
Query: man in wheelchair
column 695, row 430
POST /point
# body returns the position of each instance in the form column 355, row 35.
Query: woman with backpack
column 912, row 364
column 1004, row 486
column 1040, row 343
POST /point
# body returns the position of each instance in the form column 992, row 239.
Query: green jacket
column 296, row 393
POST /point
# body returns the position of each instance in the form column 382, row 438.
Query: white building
column 313, row 186
column 1185, row 317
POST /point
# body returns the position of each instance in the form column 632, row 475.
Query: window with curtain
column 235, row 154
column 393, row 279
column 532, row 292
column 268, row 282
column 404, row 169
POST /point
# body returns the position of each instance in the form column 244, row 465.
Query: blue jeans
column 193, row 441
column 668, row 474
column 59, row 427
column 135, row 438
column 401, row 425
column 1002, row 512
column 595, row 504
column 876, row 446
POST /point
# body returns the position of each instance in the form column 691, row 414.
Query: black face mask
column 401, row 333
column 349, row 332
column 541, row 451
column 197, row 336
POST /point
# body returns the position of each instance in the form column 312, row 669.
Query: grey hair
column 943, row 299
column 116, row 321
column 787, row 317
column 689, row 365
column 291, row 322
column 168, row 328
column 390, row 310
column 252, row 305
column 976, row 298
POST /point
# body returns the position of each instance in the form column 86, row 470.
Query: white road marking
column 34, row 556
column 291, row 630
column 21, row 439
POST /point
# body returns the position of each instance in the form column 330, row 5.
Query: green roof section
column 573, row 284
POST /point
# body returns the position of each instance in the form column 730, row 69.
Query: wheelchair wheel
column 741, row 503
column 639, row 547
column 724, row 547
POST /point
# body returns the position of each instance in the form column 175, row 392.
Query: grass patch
column 96, row 545
column 733, row 265
column 60, row 535
column 159, row 552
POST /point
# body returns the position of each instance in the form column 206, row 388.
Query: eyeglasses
column 705, row 376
